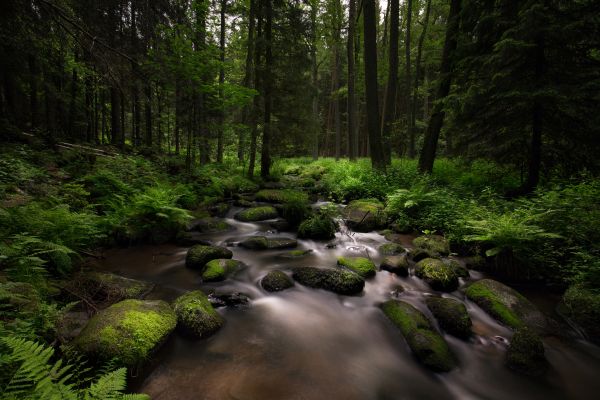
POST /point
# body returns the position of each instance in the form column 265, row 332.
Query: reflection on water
column 311, row 344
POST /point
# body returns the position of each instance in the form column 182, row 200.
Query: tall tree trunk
column 33, row 89
column 390, row 101
column 248, row 76
column 178, row 114
column 351, row 107
column 314, row 79
column 148, row 113
column 413, row 112
column 115, row 116
column 370, row 56
column 265, row 160
column 411, row 134
column 257, row 86
column 437, row 117
column 221, row 127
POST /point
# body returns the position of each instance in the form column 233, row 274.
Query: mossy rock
column 111, row 287
column 255, row 214
column 276, row 281
column 582, row 306
column 219, row 209
column 421, row 254
column 525, row 353
column 198, row 255
column 395, row 264
column 429, row 347
column 210, row 225
column 220, row 269
column 361, row 265
column 437, row 274
column 365, row 215
column 319, row 227
column 296, row 253
column 332, row 279
column 506, row 305
column 268, row 243
column 435, row 244
column 281, row 196
column 128, row 331
column 196, row 317
column 391, row 249
column 459, row 270
column 451, row 314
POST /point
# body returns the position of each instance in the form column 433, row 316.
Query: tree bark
column 248, row 77
column 265, row 161
column 390, row 101
column 351, row 107
column 115, row 114
column 221, row 127
column 411, row 133
column 413, row 112
column 314, row 79
column 257, row 83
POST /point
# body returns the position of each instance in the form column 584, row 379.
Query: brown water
column 307, row 344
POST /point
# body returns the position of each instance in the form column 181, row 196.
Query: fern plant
column 30, row 372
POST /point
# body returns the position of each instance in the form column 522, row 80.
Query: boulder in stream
column 268, row 243
column 506, row 305
column 296, row 253
column 319, row 227
column 128, row 331
column 435, row 244
column 365, row 215
column 438, row 275
column 209, row 225
column 582, row 305
column 196, row 316
column 427, row 344
column 255, row 214
column 234, row 299
column 220, row 269
column 395, row 264
column 281, row 196
column 451, row 314
column 184, row 238
column 105, row 287
column 391, row 249
column 418, row 254
column 198, row 255
column 361, row 265
column 276, row 281
column 525, row 353
column 332, row 279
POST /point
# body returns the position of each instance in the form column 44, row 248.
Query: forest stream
column 304, row 343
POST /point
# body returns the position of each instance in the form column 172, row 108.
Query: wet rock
column 276, row 281
column 391, row 249
column 365, row 215
column 421, row 254
column 319, row 227
column 435, row 244
column 105, row 287
column 429, row 347
column 198, row 255
column 128, row 331
column 244, row 203
column 195, row 315
column 191, row 239
column 268, row 243
column 210, row 225
column 296, row 253
column 506, row 305
column 582, row 306
column 395, row 264
column 254, row 214
column 451, row 314
column 281, row 225
column 332, row 279
column 525, row 353
column 362, row 266
column 219, row 209
column 437, row 274
column 220, row 269
column 281, row 196
column 459, row 270
column 235, row 299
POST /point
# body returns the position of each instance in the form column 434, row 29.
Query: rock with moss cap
column 280, row 195
column 506, row 305
column 196, row 317
column 268, row 243
column 319, row 227
column 332, row 279
column 435, row 244
column 128, row 331
column 220, row 269
column 391, row 249
column 459, row 270
column 198, row 255
column 582, row 306
column 525, row 353
column 437, row 274
column 365, row 215
column 451, row 314
column 361, row 265
column 276, row 281
column 429, row 347
column 395, row 264
column 418, row 254
column 255, row 214
column 209, row 225
column 107, row 287
column 296, row 253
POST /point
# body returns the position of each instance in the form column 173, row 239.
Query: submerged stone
column 435, row 244
column 365, row 215
column 235, row 299
column 525, row 353
column 362, row 266
column 276, row 281
column 128, row 331
column 195, row 315
column 220, row 269
column 191, row 239
column 429, row 347
column 255, row 214
column 268, row 243
column 332, row 279
column 198, row 255
column 437, row 274
column 451, row 314
column 111, row 287
column 391, row 249
column 395, row 264
column 296, row 253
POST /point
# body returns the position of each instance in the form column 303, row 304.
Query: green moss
column 335, row 280
column 405, row 316
column 487, row 299
column 459, row 270
column 198, row 255
column 210, row 225
column 362, row 266
column 281, row 196
column 128, row 331
column 451, row 314
column 113, row 286
column 296, row 253
column 320, row 227
column 365, row 215
column 437, row 274
column 219, row 269
column 433, row 243
column 525, row 353
column 391, row 249
column 195, row 315
column 264, row 243
column 257, row 214
column 276, row 281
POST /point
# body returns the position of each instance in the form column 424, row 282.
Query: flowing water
column 310, row 344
